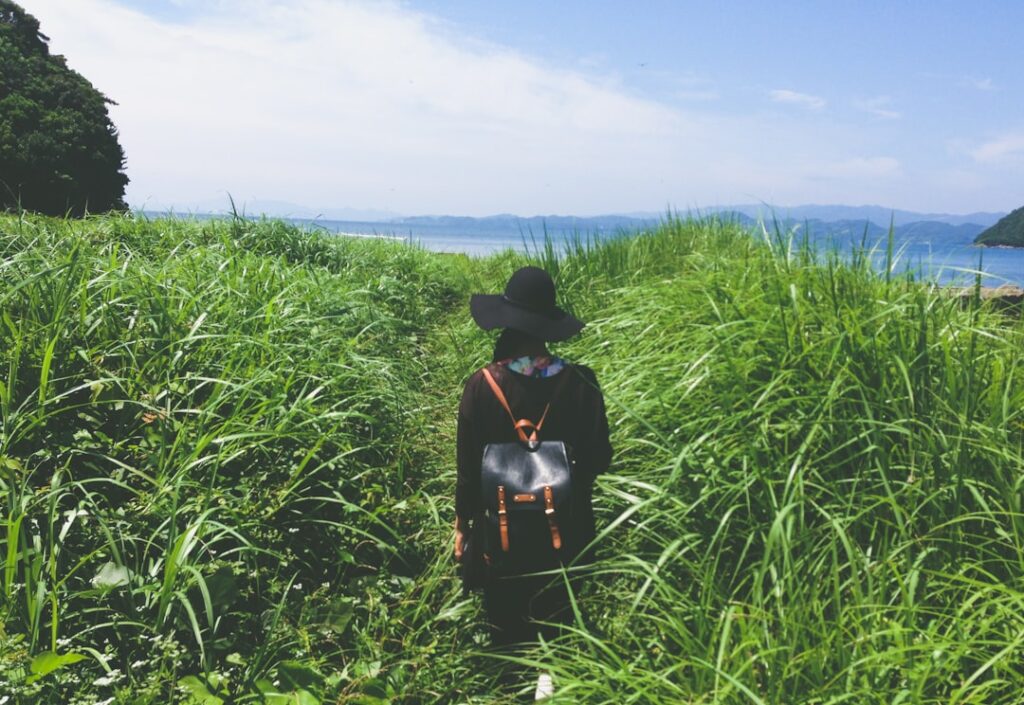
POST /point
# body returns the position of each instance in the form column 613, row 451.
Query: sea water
column 948, row 261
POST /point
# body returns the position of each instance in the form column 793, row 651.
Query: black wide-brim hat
column 528, row 305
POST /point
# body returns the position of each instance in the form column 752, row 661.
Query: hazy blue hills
column 916, row 231
column 924, row 227
column 850, row 231
column 1008, row 232
column 822, row 222
column 878, row 215
column 537, row 223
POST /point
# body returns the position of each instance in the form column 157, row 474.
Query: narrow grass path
column 430, row 641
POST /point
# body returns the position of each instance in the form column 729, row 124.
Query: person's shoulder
column 474, row 382
column 477, row 375
column 475, row 378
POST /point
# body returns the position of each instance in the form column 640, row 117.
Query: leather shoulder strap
column 498, row 393
column 523, row 425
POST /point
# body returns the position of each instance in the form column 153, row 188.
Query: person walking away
column 532, row 437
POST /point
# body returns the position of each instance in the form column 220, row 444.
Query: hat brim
column 492, row 311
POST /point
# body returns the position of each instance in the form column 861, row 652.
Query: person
column 519, row 607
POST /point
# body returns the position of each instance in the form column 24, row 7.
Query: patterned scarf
column 535, row 366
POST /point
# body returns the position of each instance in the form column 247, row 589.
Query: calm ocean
column 949, row 261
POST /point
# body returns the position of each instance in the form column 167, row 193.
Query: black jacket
column 577, row 417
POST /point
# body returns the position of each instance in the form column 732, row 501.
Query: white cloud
column 811, row 102
column 354, row 103
column 1001, row 149
column 982, row 84
column 880, row 107
column 334, row 103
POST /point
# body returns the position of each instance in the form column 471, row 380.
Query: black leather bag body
column 528, row 506
column 528, row 499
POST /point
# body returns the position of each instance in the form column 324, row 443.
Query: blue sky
column 431, row 106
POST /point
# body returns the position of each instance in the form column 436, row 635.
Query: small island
column 1008, row 232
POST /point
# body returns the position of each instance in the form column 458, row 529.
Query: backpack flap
column 527, row 497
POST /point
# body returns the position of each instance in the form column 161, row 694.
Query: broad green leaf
column 298, row 674
column 10, row 463
column 375, row 689
column 110, row 576
column 265, row 686
column 336, row 615
column 294, row 697
column 273, row 696
column 197, row 692
column 49, row 661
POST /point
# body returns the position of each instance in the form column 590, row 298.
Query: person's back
column 576, row 417
column 566, row 401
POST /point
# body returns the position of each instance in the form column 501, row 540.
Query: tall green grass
column 227, row 463
column 203, row 442
column 818, row 489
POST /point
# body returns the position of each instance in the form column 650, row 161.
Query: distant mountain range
column 537, row 223
column 875, row 214
column 908, row 231
column 923, row 229
column 819, row 220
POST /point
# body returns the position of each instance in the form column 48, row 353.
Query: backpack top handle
column 521, row 425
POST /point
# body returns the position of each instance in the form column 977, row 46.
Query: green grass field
column 227, row 468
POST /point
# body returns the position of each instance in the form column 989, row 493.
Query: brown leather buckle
column 502, row 518
column 549, row 509
column 549, row 501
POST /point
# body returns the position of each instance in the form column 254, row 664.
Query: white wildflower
column 113, row 677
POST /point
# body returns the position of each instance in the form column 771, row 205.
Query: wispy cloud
column 357, row 103
column 1001, row 149
column 880, row 107
column 811, row 102
column 981, row 84
column 332, row 103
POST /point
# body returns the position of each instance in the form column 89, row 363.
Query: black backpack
column 528, row 498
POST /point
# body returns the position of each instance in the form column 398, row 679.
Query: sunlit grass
column 228, row 458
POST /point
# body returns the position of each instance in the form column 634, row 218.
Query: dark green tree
column 59, row 152
column 1008, row 232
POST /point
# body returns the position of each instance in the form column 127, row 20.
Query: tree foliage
column 1009, row 231
column 59, row 151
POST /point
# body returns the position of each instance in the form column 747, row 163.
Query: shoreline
column 1004, row 296
column 369, row 236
